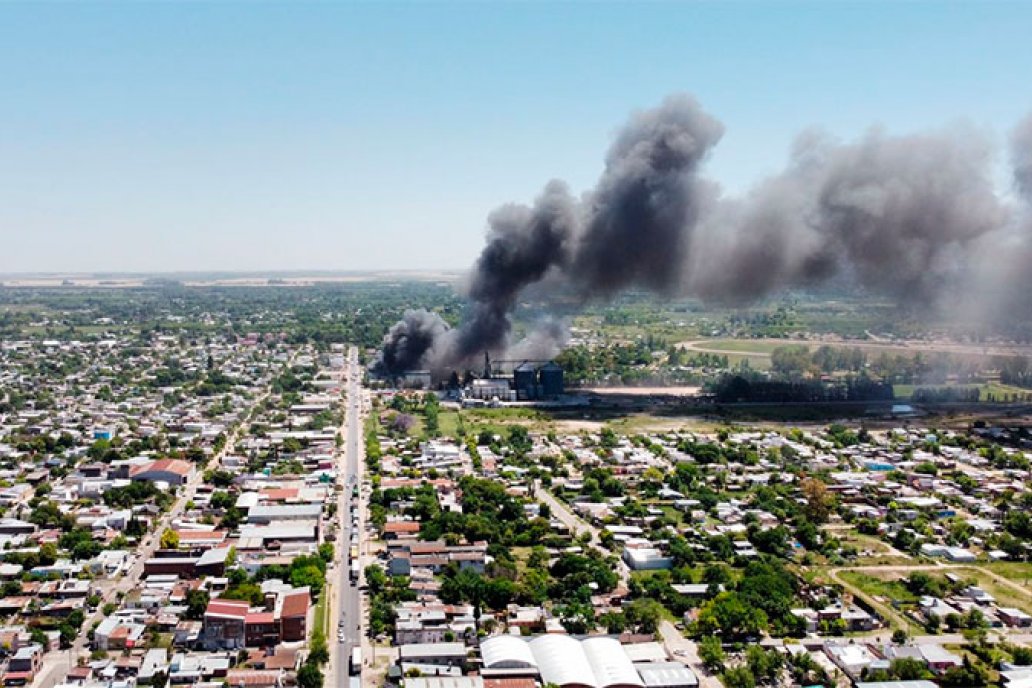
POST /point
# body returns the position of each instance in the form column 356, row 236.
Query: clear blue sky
column 239, row 136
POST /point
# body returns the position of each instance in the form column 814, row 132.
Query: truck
column 353, row 553
column 354, row 570
column 356, row 661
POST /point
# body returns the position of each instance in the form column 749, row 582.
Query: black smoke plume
column 411, row 342
column 896, row 215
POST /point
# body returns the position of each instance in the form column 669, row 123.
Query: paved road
column 577, row 525
column 687, row 651
column 347, row 605
column 57, row 664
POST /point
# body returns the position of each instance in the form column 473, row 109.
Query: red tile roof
column 201, row 535
column 401, row 527
column 177, row 466
column 509, row 683
column 220, row 607
column 251, row 677
column 295, row 604
column 279, row 494
column 260, row 618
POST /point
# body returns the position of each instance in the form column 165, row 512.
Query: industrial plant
column 498, row 381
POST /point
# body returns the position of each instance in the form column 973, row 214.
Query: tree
column 909, row 669
column 221, row 500
column 729, row 616
column 309, row 676
column 308, row 576
column 645, row 614
column 763, row 664
column 376, row 579
column 318, row 652
column 738, row 677
column 196, row 604
column 48, row 554
column 1022, row 656
column 818, row 501
column 711, row 652
column 170, row 539
column 967, row 676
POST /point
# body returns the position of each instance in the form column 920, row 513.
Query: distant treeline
column 740, row 389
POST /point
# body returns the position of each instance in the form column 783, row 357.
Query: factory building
column 528, row 381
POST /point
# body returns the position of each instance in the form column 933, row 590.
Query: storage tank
column 524, row 378
column 551, row 378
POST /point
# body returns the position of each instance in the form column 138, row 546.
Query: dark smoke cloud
column 902, row 211
column 913, row 217
column 640, row 217
column 412, row 342
column 633, row 229
column 1021, row 157
column 523, row 244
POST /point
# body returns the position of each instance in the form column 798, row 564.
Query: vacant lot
column 887, row 587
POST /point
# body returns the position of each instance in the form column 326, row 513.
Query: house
column 254, row 678
column 119, row 632
column 294, row 615
column 23, row 666
column 397, row 529
column 646, row 559
column 261, row 629
column 939, row 659
column 171, row 471
column 960, row 554
column 852, row 659
column 14, row 526
column 433, row 654
column 224, row 622
column 154, row 662
column 1014, row 617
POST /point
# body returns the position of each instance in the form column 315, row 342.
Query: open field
column 763, row 347
column 687, row 390
column 889, row 587
column 986, row 392
column 878, row 590
column 1019, row 572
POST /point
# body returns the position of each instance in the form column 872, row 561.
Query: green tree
column 308, row 576
column 318, row 651
column 309, row 676
column 645, row 614
column 729, row 616
column 170, row 539
column 196, row 604
column 738, row 677
column 711, row 652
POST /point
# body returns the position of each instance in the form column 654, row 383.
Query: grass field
column 1018, row 571
column 997, row 390
column 889, row 587
column 757, row 347
column 880, row 590
column 466, row 422
column 881, row 553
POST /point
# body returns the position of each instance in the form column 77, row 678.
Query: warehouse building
column 598, row 662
